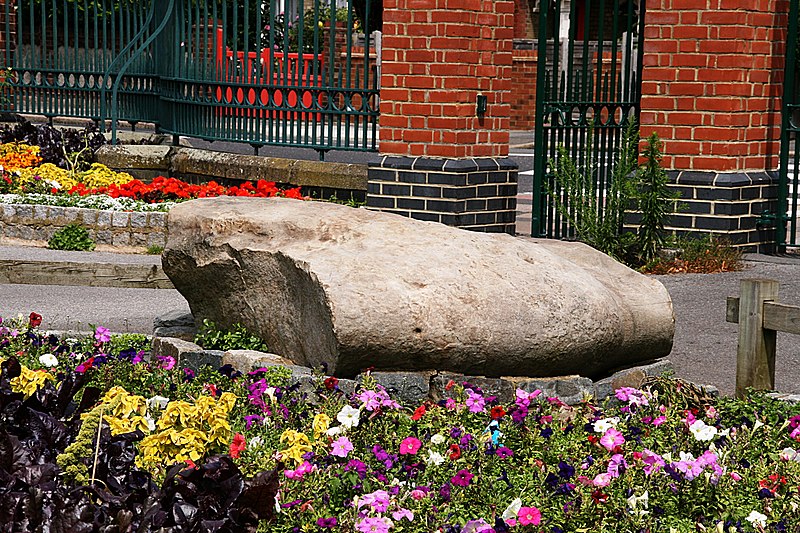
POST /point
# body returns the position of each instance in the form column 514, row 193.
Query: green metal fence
column 588, row 88
column 264, row 72
column 785, row 220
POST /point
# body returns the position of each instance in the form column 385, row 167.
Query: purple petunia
column 462, row 478
column 327, row 523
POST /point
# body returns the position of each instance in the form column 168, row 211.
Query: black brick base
column 726, row 204
column 473, row 194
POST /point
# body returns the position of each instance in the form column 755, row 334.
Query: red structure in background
column 278, row 73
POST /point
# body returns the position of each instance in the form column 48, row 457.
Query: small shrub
column 704, row 255
column 155, row 249
column 210, row 337
column 71, row 237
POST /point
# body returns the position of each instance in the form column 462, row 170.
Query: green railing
column 785, row 220
column 230, row 70
column 588, row 88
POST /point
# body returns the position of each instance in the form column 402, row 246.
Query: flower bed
column 39, row 198
column 158, row 447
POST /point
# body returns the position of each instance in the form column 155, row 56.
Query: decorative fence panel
column 588, row 87
column 264, row 72
column 785, row 220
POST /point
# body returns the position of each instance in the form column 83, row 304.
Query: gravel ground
column 704, row 350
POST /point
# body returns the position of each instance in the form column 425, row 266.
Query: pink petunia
column 341, row 447
column 529, row 516
column 410, row 446
column 611, row 439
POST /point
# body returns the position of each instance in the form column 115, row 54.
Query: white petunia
column 348, row 416
column 604, row 424
column 435, row 458
column 48, row 360
column 437, row 439
column 702, row 431
column 757, row 518
column 790, row 454
column 157, row 402
column 512, row 510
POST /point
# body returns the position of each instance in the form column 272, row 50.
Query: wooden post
column 755, row 357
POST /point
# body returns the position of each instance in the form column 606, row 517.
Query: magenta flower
column 617, row 465
column 341, row 447
column 410, row 446
column 374, row 525
column 475, row 402
column 462, row 478
column 504, row 453
column 529, row 516
column 378, row 500
column 652, row 462
column 102, row 334
column 611, row 439
column 327, row 523
column 403, row 513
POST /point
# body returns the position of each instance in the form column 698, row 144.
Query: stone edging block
column 415, row 387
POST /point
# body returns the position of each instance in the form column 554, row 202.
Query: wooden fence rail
column 759, row 317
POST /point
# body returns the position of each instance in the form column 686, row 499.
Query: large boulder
column 325, row 283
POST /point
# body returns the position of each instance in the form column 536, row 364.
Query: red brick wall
column 13, row 26
column 523, row 89
column 712, row 82
column 438, row 55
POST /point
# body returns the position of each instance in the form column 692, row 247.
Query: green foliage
column 599, row 221
column 581, row 204
column 697, row 254
column 71, row 237
column 210, row 337
column 655, row 201
column 155, row 249
column 5, row 86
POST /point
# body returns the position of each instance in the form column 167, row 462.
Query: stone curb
column 415, row 387
column 147, row 162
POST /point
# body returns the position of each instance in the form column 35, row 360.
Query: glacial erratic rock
column 352, row 288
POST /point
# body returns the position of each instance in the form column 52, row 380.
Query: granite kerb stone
column 414, row 387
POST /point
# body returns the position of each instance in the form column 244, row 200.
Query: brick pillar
column 711, row 89
column 441, row 160
column 7, row 13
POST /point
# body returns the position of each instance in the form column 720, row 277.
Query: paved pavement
column 704, row 350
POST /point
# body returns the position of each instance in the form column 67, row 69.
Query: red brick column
column 438, row 55
column 712, row 82
column 6, row 41
column 711, row 88
column 440, row 159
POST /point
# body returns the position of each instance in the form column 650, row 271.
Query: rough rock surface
column 324, row 283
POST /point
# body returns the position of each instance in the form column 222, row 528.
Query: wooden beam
column 732, row 310
column 782, row 317
column 755, row 357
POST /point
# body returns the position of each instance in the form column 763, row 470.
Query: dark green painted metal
column 583, row 98
column 790, row 143
column 231, row 70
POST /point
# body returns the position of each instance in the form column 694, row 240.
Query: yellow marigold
column 100, row 175
column 48, row 172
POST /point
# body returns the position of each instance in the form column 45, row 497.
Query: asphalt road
column 704, row 350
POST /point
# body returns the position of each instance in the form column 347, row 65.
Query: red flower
column 238, row 445
column 419, row 412
column 455, row 451
column 34, row 320
column 86, row 365
column 449, row 385
column 331, row 383
column 497, row 412
column 599, row 496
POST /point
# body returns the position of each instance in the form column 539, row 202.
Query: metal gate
column 264, row 72
column 789, row 174
column 588, row 88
